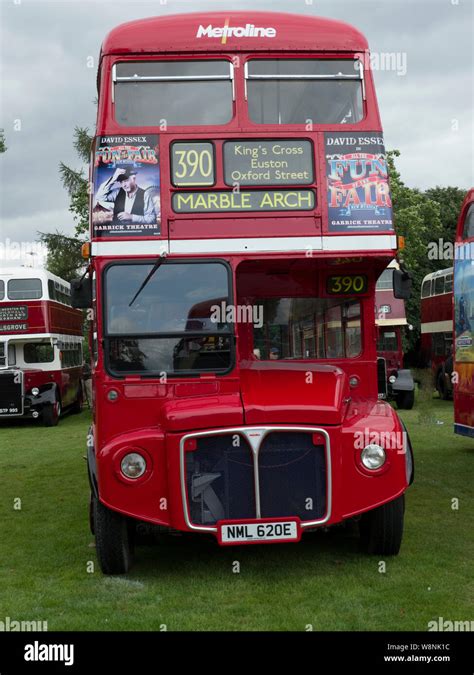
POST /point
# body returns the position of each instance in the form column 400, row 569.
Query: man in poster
column 131, row 203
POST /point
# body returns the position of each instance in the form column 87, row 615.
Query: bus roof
column 31, row 273
column 439, row 273
column 231, row 32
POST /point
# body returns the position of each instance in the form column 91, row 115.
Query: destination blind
column 243, row 201
column 277, row 162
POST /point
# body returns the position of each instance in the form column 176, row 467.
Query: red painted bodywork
column 464, row 388
column 47, row 316
column 153, row 416
column 437, row 308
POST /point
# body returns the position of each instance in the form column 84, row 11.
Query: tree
column 449, row 200
column 64, row 253
column 417, row 218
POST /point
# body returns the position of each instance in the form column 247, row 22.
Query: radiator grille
column 11, row 393
column 220, row 480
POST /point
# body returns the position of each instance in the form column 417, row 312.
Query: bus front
column 40, row 346
column 240, row 220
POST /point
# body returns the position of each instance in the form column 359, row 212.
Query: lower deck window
column 308, row 328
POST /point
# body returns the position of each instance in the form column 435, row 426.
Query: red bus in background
column 464, row 320
column 234, row 362
column 391, row 321
column 40, row 346
column 437, row 328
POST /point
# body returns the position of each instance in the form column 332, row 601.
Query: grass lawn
column 188, row 583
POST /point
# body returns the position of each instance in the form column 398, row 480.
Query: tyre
column 51, row 414
column 406, row 399
column 113, row 539
column 441, row 386
column 76, row 407
column 381, row 530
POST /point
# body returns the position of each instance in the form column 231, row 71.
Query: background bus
column 437, row 328
column 40, row 346
column 391, row 321
column 464, row 319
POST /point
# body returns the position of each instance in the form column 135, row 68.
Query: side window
column 11, row 355
column 2, row 289
column 439, row 286
column 448, row 285
column 426, row 289
column 51, row 290
column 468, row 228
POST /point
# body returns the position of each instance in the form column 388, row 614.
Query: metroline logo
column 247, row 31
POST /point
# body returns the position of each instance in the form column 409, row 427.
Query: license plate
column 257, row 532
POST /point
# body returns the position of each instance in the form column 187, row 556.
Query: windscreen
column 173, row 325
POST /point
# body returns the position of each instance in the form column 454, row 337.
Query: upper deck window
column 293, row 91
column 2, row 289
column 25, row 289
column 178, row 92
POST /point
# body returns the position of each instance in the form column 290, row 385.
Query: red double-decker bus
column 464, row 320
column 240, row 219
column 40, row 346
column 437, row 328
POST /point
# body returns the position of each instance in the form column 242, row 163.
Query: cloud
column 48, row 86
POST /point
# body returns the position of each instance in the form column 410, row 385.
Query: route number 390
column 192, row 164
column 347, row 284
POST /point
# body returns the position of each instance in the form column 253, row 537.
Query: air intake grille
column 220, row 479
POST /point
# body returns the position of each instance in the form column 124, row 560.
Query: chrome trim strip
column 114, row 79
column 339, row 76
column 246, row 431
column 362, row 78
column 171, row 78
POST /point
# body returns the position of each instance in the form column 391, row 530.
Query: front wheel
column 112, row 539
column 76, row 407
column 442, row 387
column 51, row 414
column 381, row 530
column 406, row 399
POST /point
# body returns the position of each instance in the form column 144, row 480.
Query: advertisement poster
column 126, row 200
column 464, row 308
column 358, row 193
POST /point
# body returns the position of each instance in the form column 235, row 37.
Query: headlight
column 373, row 456
column 392, row 379
column 133, row 465
column 35, row 391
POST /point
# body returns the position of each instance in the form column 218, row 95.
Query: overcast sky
column 46, row 84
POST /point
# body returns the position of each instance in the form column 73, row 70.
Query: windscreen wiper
column 157, row 264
